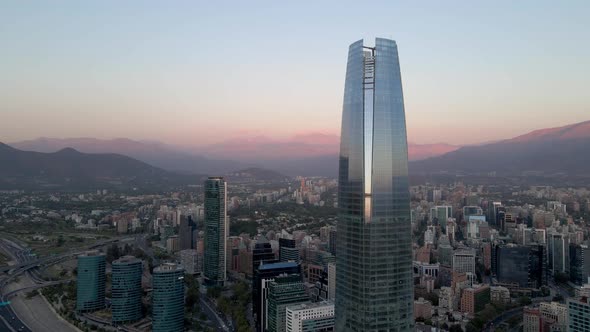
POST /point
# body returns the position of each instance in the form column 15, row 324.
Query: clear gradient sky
column 199, row 72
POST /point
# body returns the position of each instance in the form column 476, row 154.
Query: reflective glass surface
column 374, row 250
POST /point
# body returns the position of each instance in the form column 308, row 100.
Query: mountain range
column 560, row 150
column 71, row 169
column 553, row 150
column 313, row 154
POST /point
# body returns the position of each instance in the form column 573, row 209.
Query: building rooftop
column 127, row 260
column 278, row 265
column 168, row 267
column 310, row 305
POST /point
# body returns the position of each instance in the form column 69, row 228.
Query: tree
column 456, row 328
column 524, row 300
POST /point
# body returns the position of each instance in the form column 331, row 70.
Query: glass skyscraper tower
column 374, row 290
column 216, row 231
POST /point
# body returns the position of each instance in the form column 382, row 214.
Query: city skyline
column 142, row 72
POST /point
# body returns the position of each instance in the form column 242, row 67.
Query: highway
column 29, row 266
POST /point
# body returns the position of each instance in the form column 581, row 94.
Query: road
column 213, row 316
column 28, row 265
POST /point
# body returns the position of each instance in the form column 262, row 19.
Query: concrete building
column 331, row 281
column 474, row 299
column 172, row 244
column 189, row 258
column 578, row 314
column 556, row 312
column 464, row 261
column 90, row 282
column 531, row 320
column 499, row 294
column 168, row 298
column 126, row 290
column 310, row 317
column 422, row 309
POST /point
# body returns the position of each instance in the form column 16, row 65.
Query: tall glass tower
column 374, row 290
column 168, row 298
column 91, row 281
column 216, row 230
column 126, row 289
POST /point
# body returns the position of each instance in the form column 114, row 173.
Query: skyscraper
column 265, row 275
column 283, row 291
column 288, row 251
column 216, row 230
column 90, row 283
column 186, row 232
column 374, row 245
column 126, row 289
column 168, row 298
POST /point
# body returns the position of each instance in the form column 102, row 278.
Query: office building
column 579, row 263
column 578, row 314
column 172, row 244
column 189, row 258
column 374, row 243
column 186, row 232
column 440, row 214
column 499, row 295
column 520, row 266
column 288, row 251
column 331, row 281
column 422, row 309
column 558, row 253
column 464, row 261
column 126, row 290
column 475, row 299
column 261, row 254
column 283, row 291
column 216, row 231
column 90, row 282
column 265, row 275
column 310, row 317
column 168, row 298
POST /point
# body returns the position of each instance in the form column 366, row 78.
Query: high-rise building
column 331, row 281
column 216, row 231
column 579, row 263
column 520, row 266
column 186, row 232
column 475, row 299
column 265, row 275
column 168, row 298
column 126, row 289
column 283, row 291
column 288, row 251
column 374, row 243
column 579, row 314
column 310, row 317
column 90, row 283
column 442, row 214
column 559, row 253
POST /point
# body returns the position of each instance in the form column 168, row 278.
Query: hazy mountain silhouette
column 553, row 150
column 72, row 169
column 153, row 153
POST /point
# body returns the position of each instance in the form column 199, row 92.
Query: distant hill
column 554, row 150
column 68, row 168
column 153, row 153
column 256, row 174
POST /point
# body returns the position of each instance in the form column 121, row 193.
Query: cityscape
column 238, row 223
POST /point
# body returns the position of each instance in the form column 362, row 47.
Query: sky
column 200, row 72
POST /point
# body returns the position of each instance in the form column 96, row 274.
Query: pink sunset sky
column 197, row 74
